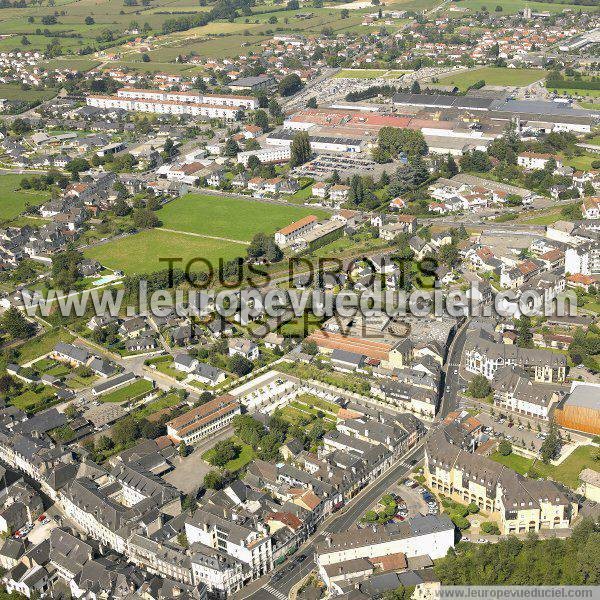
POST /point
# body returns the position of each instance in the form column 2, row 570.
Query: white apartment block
column 266, row 155
column 535, row 160
column 584, row 259
column 246, row 540
column 165, row 107
column 247, row 102
column 287, row 234
column 432, row 535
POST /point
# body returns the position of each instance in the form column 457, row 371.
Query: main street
column 345, row 520
column 265, row 588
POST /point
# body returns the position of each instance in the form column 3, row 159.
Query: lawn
column 568, row 471
column 228, row 217
column 13, row 199
column 360, row 73
column 167, row 401
column 513, row 461
column 129, row 392
column 15, row 92
column 495, row 76
column 244, row 457
column 581, row 163
column 34, row 401
column 513, row 6
column 42, row 344
column 140, row 253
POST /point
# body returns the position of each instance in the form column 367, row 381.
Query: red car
column 41, row 518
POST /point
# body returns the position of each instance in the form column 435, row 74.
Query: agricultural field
column 231, row 218
column 140, row 253
column 11, row 91
column 494, row 76
column 513, row 6
column 13, row 199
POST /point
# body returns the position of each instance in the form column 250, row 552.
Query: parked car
column 41, row 518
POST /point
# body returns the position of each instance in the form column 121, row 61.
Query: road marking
column 274, row 592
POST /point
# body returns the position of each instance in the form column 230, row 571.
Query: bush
column 504, row 448
column 459, row 521
column 473, row 508
column 490, row 528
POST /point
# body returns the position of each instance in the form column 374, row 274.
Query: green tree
column 551, row 445
column 504, row 448
column 65, row 270
column 16, row 325
column 223, row 452
column 239, row 365
column 289, row 85
column 144, row 218
column 231, row 148
column 213, row 480
column 524, row 334
column 479, row 387
column 300, row 149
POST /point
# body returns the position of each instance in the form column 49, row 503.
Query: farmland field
column 513, row 6
column 15, row 92
column 495, row 76
column 140, row 253
column 229, row 217
column 13, row 200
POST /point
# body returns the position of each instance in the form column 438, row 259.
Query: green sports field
column 494, row 76
column 140, row 253
column 228, row 217
column 13, row 200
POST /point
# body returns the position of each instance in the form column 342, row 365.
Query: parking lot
column 40, row 531
column 190, row 471
column 516, row 432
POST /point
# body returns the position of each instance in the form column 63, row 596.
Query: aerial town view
column 299, row 299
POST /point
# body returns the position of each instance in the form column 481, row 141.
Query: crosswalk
column 280, row 595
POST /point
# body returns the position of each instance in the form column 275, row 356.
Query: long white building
column 432, row 535
column 222, row 106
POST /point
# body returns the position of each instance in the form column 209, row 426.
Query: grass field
column 155, row 406
column 567, row 472
column 139, row 387
column 513, row 6
column 229, row 217
column 494, row 76
column 140, row 253
column 577, row 93
column 513, row 461
column 244, row 457
column 31, row 400
column 42, row 344
column 15, row 92
column 13, row 200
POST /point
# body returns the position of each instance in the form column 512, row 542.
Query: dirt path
column 203, row 235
